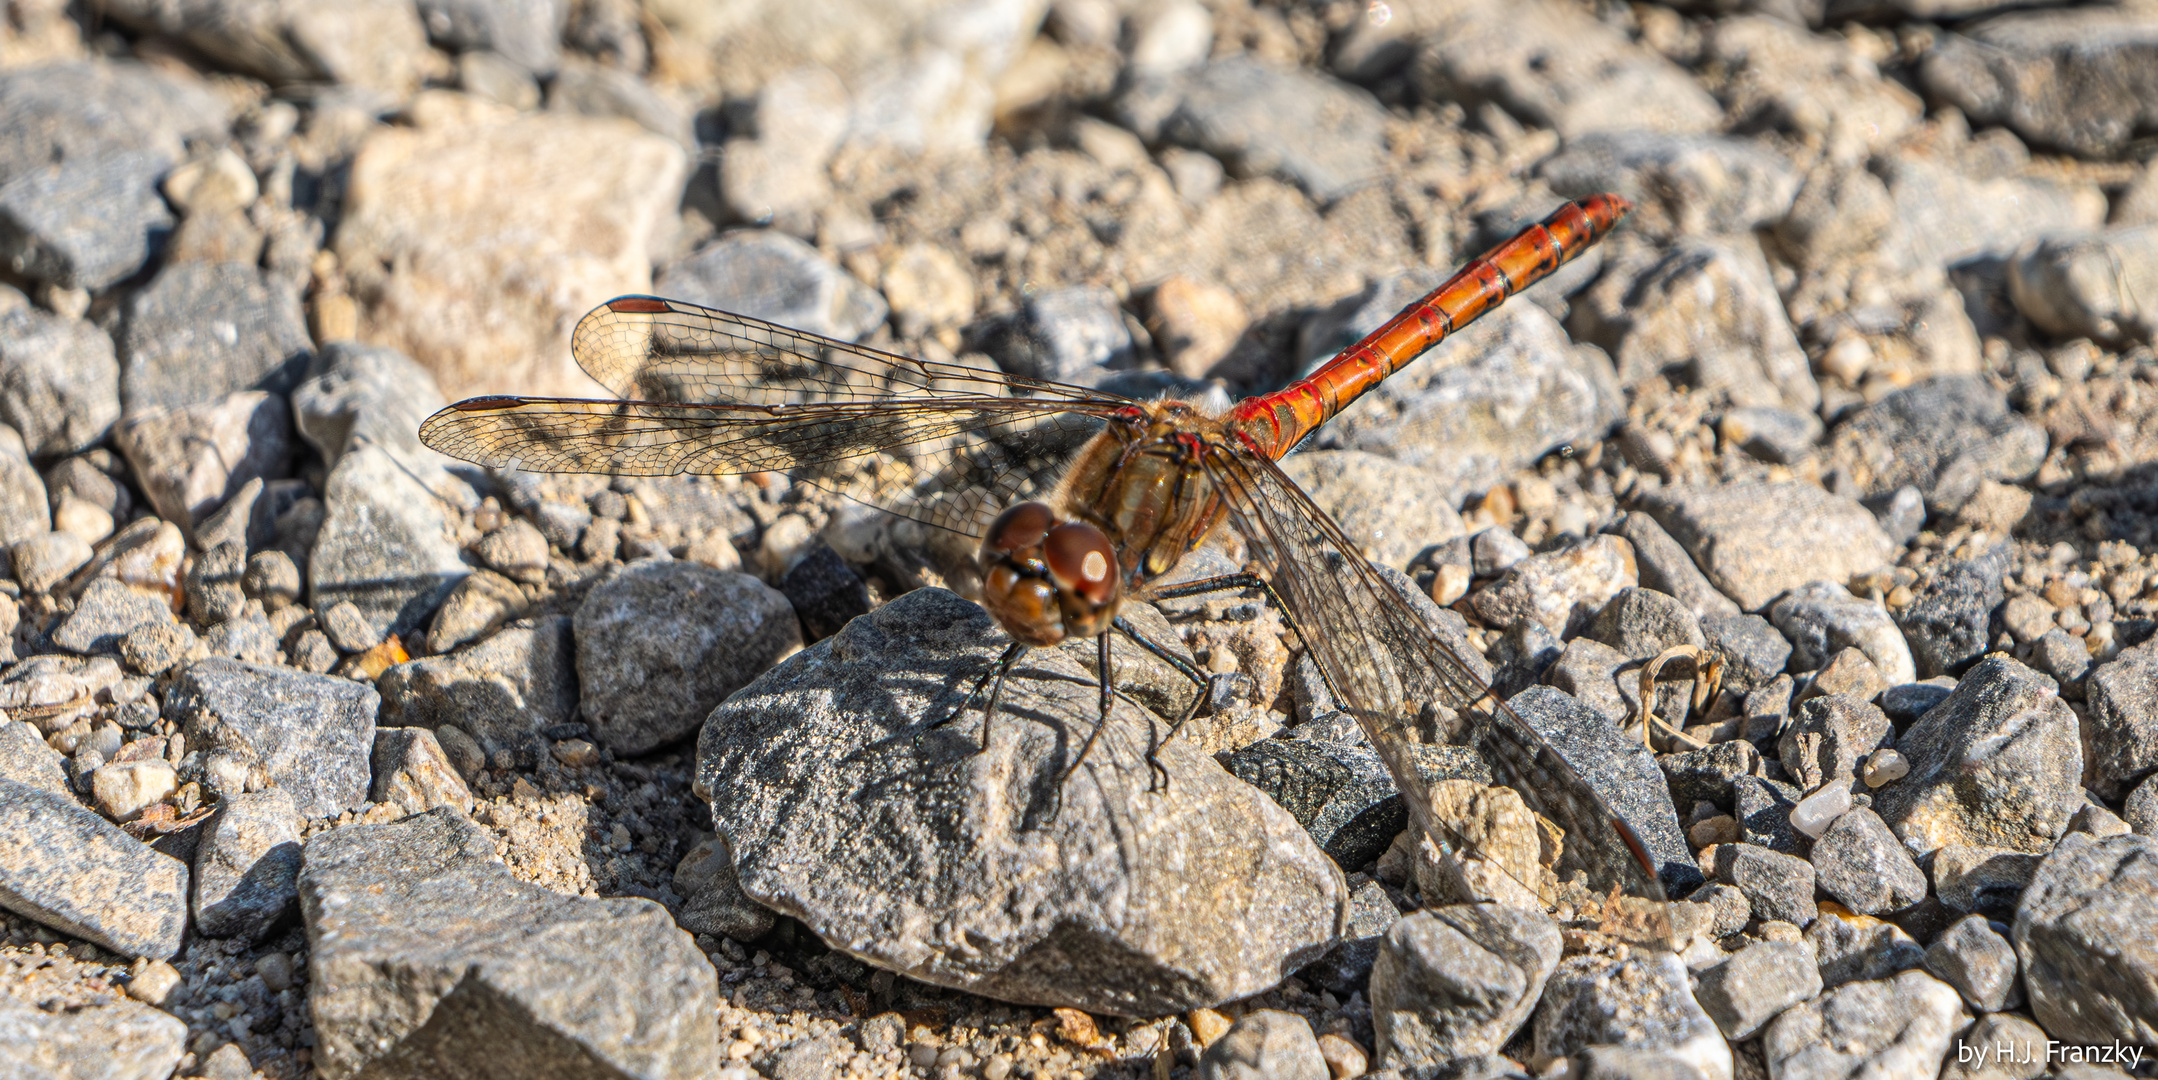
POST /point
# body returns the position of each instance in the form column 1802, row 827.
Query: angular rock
column 1706, row 775
column 504, row 693
column 786, row 756
column 308, row 734
column 59, row 382
column 2121, row 722
column 386, row 545
column 1754, row 653
column 2078, row 80
column 461, row 275
column 24, row 514
column 1979, row 963
column 1947, row 624
column 800, row 117
column 358, row 395
column 1822, row 617
column 107, row 612
column 584, row 89
column 824, row 592
column 426, row 956
column 1997, row 763
column 659, row 643
column 1771, row 434
column 769, row 275
column 25, row 759
column 189, row 460
column 2089, row 964
column 473, row 609
column 1942, row 436
column 1641, row 623
column 412, row 771
column 1665, row 567
column 115, row 1039
column 1637, row 1015
column 1456, row 981
column 1756, row 540
column 1679, row 184
column 2098, row 287
column 1742, row 994
column 1810, row 85
column 202, row 331
column 1986, row 880
column 1898, row 1027
column 1561, row 589
column 1394, row 511
column 1265, row 1044
column 377, row 45
column 713, row 900
column 1261, row 118
column 1859, row 862
column 1071, row 335
column 246, row 866
column 2013, row 1048
column 1859, row 948
column 1622, row 772
column 84, row 223
column 1778, row 886
column 1828, row 737
column 65, row 867
column 527, row 33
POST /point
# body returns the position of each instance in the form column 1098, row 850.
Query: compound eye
column 1018, row 529
column 1082, row 560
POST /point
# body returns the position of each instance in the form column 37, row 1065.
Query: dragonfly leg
column 1160, row 779
column 996, row 675
column 1108, row 701
column 1238, row 582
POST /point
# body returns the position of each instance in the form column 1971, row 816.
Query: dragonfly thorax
column 1045, row 579
column 1143, row 482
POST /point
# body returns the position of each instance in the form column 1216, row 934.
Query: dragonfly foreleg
column 1160, row 779
column 996, row 675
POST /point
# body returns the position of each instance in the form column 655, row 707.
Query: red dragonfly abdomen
column 1276, row 422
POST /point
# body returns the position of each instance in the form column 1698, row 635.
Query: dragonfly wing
column 1387, row 659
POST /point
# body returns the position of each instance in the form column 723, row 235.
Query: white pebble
column 1884, row 766
column 1814, row 813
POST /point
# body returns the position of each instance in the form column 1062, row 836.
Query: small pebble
column 1816, row 812
column 1883, row 766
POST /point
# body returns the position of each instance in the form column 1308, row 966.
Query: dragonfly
column 1133, row 487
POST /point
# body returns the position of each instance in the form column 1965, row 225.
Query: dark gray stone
column 1522, row 656
column 1316, row 132
column 308, row 734
column 1905, row 704
column 713, row 900
column 1860, row 863
column 1979, row 963
column 1706, row 775
column 1904, row 1026
column 26, row 759
column 660, row 642
column 494, row 977
column 1071, row 335
column 59, row 382
column 65, row 867
column 1459, row 980
column 246, row 866
column 106, row 613
column 791, row 760
column 2079, row 80
column 1665, row 567
column 1828, row 738
column 82, row 110
column 201, row 331
column 1779, row 886
column 2140, row 810
column 1622, row 773
column 2120, row 731
column 528, row 33
column 385, row 544
column 1347, row 967
column 1986, row 880
column 1946, row 623
column 504, row 693
column 84, row 222
column 770, row 275
column 825, row 592
column 1641, row 623
column 358, row 395
column 1754, row 652
column 2082, row 932
column 2065, row 657
column 1941, row 436
column 1637, row 1014
column 1743, row 993
column 1771, row 434
column 1822, row 618
column 1857, row 948
column 1998, row 763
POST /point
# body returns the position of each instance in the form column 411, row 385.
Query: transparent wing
column 1386, row 660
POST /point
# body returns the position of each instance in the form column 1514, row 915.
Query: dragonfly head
column 1045, row 580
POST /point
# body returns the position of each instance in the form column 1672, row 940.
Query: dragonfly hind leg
column 1159, row 780
column 993, row 680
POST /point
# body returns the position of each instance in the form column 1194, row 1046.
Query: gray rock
column 1641, row 623
column 1756, row 540
column 1496, row 550
column 1562, row 589
column 592, row 90
column 2141, row 809
column 2006, row 1047
column 271, row 578
column 1263, row 118
column 1771, row 434
column 347, row 628
column 1828, row 737
column 1621, row 771
column 59, row 382
column 496, row 977
column 1638, row 1013
column 713, row 900
column 24, row 513
column 1340, row 792
column 373, row 45
column 1551, row 66
column 2064, row 657
column 385, row 544
column 1997, row 763
column 799, row 118
column 1779, row 886
column 1074, row 334
column 154, row 647
column 770, row 275
column 412, row 771
column 824, row 591
column 308, row 734
column 480, row 603
column 1493, row 398
column 1708, row 308
column 490, row 77
column 213, row 584
column 2081, row 932
column 2096, row 286
column 1665, row 567
column 114, row 1039
column 1902, row 514
column 1266, row 1044
column 84, row 222
column 82, row 110
column 2076, row 80
column 1347, row 967
column 515, row 550
column 25, row 759
column 1979, row 963
column 358, row 395
column 1706, row 775
column 528, row 33
column 1461, row 980
column 107, row 612
column 2120, row 729
column 1822, row 617
column 1752, row 649
column 55, row 690
column 659, row 643
column 65, row 867
column 1941, row 436
column 1756, row 984
column 788, row 760
column 1947, row 623
column 1986, row 880
column 1392, row 510
column 246, row 866
column 1949, row 211
column 1588, row 671
column 190, row 459
column 1897, row 1027
column 1860, row 863
column 1859, row 948
column 1716, row 185
column 504, row 693
column 201, row 331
